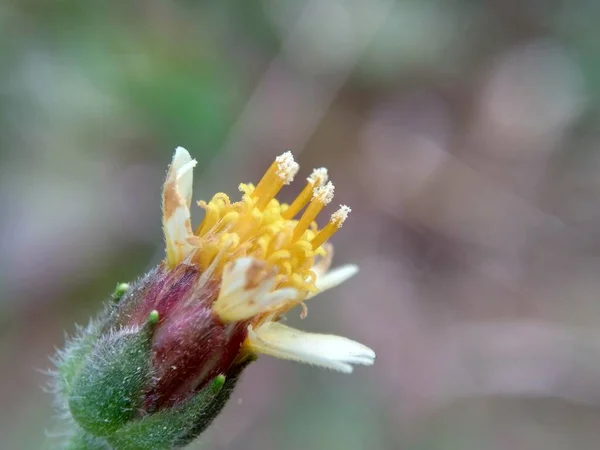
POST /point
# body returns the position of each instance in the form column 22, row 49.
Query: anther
column 316, row 179
column 281, row 172
column 321, row 197
column 335, row 223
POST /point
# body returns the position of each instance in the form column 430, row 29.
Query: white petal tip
column 350, row 270
column 336, row 277
column 180, row 151
column 327, row 351
column 182, row 163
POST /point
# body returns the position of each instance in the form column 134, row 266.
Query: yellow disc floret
column 261, row 227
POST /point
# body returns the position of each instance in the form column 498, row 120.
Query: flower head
column 266, row 258
column 159, row 364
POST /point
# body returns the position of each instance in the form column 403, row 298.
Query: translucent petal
column 334, row 277
column 246, row 290
column 329, row 351
column 177, row 197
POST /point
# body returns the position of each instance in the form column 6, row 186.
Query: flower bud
column 189, row 345
column 140, row 378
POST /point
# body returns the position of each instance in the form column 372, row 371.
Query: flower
column 158, row 365
column 266, row 257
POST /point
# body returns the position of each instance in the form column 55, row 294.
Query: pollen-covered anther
column 316, row 179
column 324, row 194
column 281, row 172
column 287, row 168
column 321, row 197
column 335, row 223
column 339, row 217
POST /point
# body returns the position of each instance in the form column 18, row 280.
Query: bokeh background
column 464, row 134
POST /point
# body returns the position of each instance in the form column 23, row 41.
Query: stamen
column 281, row 172
column 316, row 179
column 285, row 238
column 287, row 168
column 335, row 223
column 211, row 217
column 340, row 216
column 321, row 197
column 248, row 223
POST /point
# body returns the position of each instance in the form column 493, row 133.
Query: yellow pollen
column 317, row 179
column 261, row 227
column 335, row 223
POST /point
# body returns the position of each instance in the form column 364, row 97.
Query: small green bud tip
column 218, row 383
column 153, row 318
column 120, row 291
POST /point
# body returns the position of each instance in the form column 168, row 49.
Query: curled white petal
column 183, row 165
column 247, row 290
column 177, row 197
column 334, row 277
column 324, row 350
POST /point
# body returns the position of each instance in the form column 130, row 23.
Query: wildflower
column 262, row 253
column 159, row 365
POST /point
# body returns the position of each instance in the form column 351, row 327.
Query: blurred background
column 464, row 134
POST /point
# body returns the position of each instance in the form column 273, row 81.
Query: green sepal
column 70, row 360
column 107, row 390
column 85, row 441
column 215, row 407
column 168, row 428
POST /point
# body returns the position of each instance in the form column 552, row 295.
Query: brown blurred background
column 464, row 134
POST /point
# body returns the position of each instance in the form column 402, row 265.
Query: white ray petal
column 334, row 278
column 177, row 197
column 329, row 351
column 246, row 290
column 184, row 174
